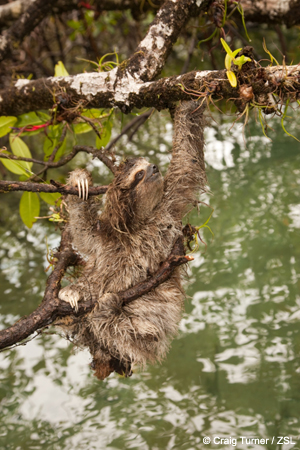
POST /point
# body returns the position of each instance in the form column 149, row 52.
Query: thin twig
column 100, row 154
column 142, row 118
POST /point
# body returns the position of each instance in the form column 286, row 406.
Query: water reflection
column 234, row 369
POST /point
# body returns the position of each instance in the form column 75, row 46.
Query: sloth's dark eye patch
column 139, row 175
column 137, row 178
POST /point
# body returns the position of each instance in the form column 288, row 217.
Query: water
column 233, row 371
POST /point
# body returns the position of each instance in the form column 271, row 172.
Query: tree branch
column 97, row 153
column 52, row 308
column 150, row 57
column 269, row 11
column 102, row 90
column 9, row 186
column 272, row 11
column 136, row 121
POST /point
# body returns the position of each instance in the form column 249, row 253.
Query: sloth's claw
column 81, row 179
column 79, row 188
column 83, row 189
column 70, row 296
column 87, row 189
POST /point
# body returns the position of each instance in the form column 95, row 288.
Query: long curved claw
column 74, row 304
column 87, row 189
column 70, row 296
column 83, row 189
column 79, row 189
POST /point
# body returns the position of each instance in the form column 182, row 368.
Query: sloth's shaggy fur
column 126, row 241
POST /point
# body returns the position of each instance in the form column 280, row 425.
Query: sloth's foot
column 70, row 295
column 81, row 179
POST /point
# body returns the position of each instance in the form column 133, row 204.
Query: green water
column 234, row 369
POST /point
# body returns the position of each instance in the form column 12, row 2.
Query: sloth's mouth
column 154, row 176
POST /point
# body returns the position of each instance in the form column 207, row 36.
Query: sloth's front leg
column 81, row 225
column 70, row 294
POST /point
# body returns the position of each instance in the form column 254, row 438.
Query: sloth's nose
column 155, row 168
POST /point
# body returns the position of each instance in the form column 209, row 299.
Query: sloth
column 124, row 242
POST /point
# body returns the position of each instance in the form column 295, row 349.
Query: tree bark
column 105, row 90
column 258, row 11
column 9, row 186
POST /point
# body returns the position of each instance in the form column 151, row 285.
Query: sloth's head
column 134, row 194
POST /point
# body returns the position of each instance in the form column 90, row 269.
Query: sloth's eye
column 139, row 175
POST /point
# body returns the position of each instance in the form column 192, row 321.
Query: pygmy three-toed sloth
column 126, row 242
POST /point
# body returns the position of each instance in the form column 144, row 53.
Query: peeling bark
column 150, row 57
column 103, row 90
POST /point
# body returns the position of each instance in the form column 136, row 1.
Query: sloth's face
column 146, row 184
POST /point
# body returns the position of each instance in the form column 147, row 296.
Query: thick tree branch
column 150, row 57
column 103, row 90
column 285, row 12
column 52, row 308
column 46, row 313
column 257, row 11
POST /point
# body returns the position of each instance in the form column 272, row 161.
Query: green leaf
column 228, row 61
column 28, row 119
column 60, row 70
column 269, row 53
column 29, row 208
column 6, row 122
column 14, row 166
column 61, row 150
column 43, row 116
column 19, row 148
column 75, row 24
column 49, row 197
column 232, row 78
column 227, row 48
column 105, row 135
column 81, row 128
column 51, row 141
column 32, row 118
column 236, row 51
column 241, row 60
column 93, row 113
